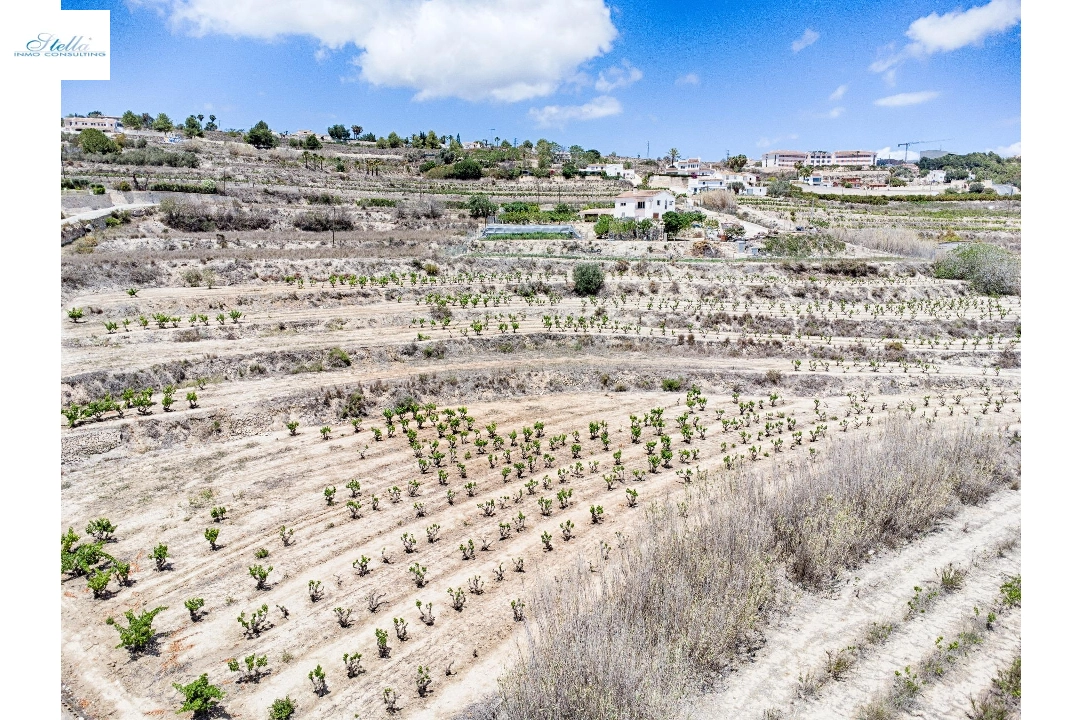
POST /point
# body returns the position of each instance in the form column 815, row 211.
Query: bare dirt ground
column 821, row 349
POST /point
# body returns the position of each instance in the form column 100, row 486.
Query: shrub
column 200, row 696
column 140, row 631
column 481, row 206
column 200, row 218
column 588, row 278
column 322, row 222
column 989, row 269
column 207, row 187
column 466, row 169
column 282, row 709
column 92, row 140
column 671, row 384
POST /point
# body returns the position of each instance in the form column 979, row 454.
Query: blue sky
column 707, row 77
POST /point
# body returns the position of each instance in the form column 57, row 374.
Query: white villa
column 640, row 204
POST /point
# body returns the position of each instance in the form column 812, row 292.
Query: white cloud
column 835, row 113
column 944, row 33
column 689, row 79
column 560, row 115
column 765, row 142
column 809, row 37
column 889, row 153
column 910, row 98
column 498, row 50
column 937, row 33
column 1011, row 150
column 837, row 94
column 617, row 76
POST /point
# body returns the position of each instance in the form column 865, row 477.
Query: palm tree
column 200, row 118
column 357, row 130
column 674, row 155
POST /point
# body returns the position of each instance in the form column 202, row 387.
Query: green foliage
column 162, row 123
column 481, row 206
column 261, row 136
column 312, row 143
column 989, row 269
column 206, row 187
column 101, row 529
column 676, row 221
column 159, row 554
column 193, row 127
column 338, row 133
column 193, row 606
column 282, row 709
column 140, row 631
column 130, row 120
column 588, row 278
column 200, row 696
column 211, row 535
column 465, row 169
column 75, row 314
column 92, row 140
column 1011, row 591
column 985, row 166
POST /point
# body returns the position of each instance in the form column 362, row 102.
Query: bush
column 322, row 222
column 779, row 188
column 337, row 357
column 200, row 696
column 140, row 631
column 282, row 709
column 207, row 187
column 588, row 278
column 481, row 206
column 671, row 384
column 200, row 218
column 92, row 140
column 467, row 169
column 377, row 202
column 149, row 156
column 989, row 269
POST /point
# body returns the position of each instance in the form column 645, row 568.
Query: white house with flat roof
column 105, row 123
column 640, row 204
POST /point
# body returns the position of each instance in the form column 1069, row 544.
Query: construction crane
column 917, row 142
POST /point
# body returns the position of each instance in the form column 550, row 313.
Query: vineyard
column 408, row 477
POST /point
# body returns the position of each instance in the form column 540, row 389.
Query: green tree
column 339, row 133
column 569, row 170
column 213, row 124
column 588, row 278
column 466, row 169
column 673, row 156
column 92, row 140
column 357, row 130
column 393, row 140
column 312, row 143
column 131, row 121
column 481, row 206
column 193, row 127
column 162, row 123
column 431, row 141
column 736, row 163
column 261, row 136
column 200, row 696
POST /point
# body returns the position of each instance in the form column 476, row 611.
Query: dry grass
column 896, row 241
column 687, row 594
column 718, row 200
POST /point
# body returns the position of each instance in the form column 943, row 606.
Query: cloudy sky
column 705, row 76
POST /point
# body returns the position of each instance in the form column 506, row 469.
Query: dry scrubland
column 761, row 490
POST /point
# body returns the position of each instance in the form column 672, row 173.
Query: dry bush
column 284, row 153
column 241, row 150
column 689, row 592
column 718, row 200
column 896, row 241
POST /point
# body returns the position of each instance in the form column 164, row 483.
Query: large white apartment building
column 819, row 158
